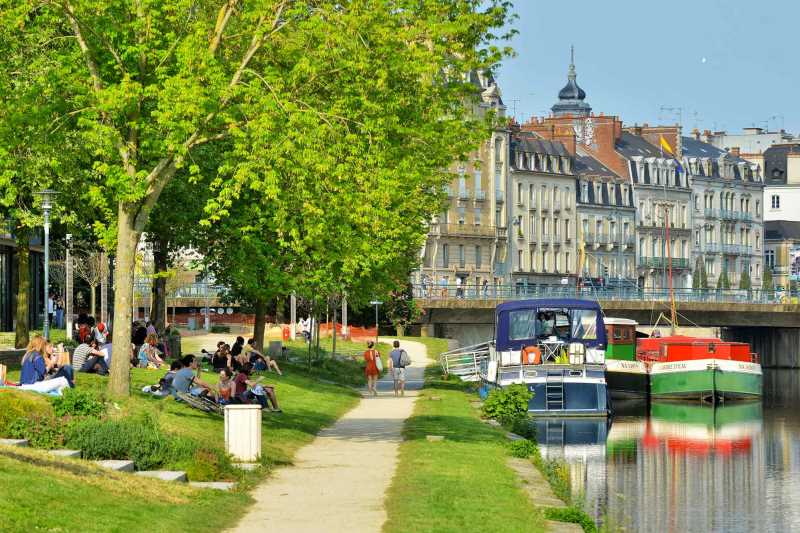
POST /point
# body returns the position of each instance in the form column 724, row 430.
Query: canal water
column 686, row 467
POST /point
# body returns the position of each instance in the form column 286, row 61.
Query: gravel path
column 339, row 481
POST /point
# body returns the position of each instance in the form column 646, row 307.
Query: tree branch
column 224, row 16
column 94, row 72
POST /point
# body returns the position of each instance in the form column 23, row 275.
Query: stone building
column 782, row 252
column 541, row 208
column 727, row 213
column 466, row 243
column 606, row 223
column 751, row 144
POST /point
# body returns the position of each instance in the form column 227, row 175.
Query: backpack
column 405, row 360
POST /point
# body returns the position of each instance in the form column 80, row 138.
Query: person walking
column 372, row 356
column 398, row 361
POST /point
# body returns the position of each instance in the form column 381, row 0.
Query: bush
column 524, row 427
column 21, row 405
column 136, row 438
column 219, row 328
column 522, row 448
column 571, row 514
column 41, row 430
column 79, row 403
column 508, row 404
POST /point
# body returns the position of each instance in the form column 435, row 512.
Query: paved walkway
column 339, row 481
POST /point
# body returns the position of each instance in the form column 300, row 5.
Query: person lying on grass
column 257, row 392
column 259, row 360
column 187, row 379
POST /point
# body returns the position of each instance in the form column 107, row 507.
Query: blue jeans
column 68, row 373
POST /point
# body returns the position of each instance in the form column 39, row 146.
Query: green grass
column 462, row 483
column 433, row 345
column 7, row 337
column 43, row 496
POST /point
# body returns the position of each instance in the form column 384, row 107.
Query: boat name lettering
column 673, row 366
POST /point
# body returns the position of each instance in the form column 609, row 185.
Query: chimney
column 636, row 130
column 734, row 151
column 696, row 134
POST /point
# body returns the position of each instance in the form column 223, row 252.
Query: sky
column 728, row 64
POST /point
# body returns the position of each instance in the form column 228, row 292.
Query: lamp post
column 376, row 303
column 68, row 295
column 47, row 204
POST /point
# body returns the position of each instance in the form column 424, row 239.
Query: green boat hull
column 704, row 384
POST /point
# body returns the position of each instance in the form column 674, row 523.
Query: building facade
column 727, row 211
column 541, row 208
column 466, row 244
column 606, row 223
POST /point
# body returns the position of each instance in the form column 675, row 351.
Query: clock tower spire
column 571, row 97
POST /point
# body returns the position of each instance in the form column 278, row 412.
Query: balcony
column 463, row 230
column 480, row 196
column 545, row 239
column 557, row 206
column 727, row 214
column 746, row 217
column 532, row 206
column 663, row 262
column 463, row 194
column 545, row 207
column 501, row 232
column 499, row 196
column 710, row 213
column 711, row 248
column 448, row 191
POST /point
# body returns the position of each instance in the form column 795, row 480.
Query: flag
column 665, row 146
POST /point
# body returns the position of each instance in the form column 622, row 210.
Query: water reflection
column 689, row 467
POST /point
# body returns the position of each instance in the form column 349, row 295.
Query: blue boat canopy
column 528, row 322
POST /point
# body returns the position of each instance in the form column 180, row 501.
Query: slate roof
column 532, row 144
column 586, row 165
column 781, row 229
column 630, row 145
column 775, row 171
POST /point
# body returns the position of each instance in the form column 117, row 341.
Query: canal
column 686, row 467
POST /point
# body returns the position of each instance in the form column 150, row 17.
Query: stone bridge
column 773, row 330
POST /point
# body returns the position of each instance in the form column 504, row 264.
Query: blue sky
column 729, row 64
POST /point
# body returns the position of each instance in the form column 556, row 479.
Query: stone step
column 551, row 526
column 534, row 483
column 117, row 465
column 216, row 485
column 13, row 442
column 70, row 454
column 164, row 475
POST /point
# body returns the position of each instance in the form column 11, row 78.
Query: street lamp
column 47, row 195
column 376, row 303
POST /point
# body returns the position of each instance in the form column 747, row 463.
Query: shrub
column 572, row 514
column 21, row 405
column 508, row 404
column 522, row 448
column 79, row 403
column 41, row 430
column 524, row 427
column 219, row 328
column 136, row 438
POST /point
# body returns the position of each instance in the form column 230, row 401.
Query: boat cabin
column 621, row 335
column 682, row 348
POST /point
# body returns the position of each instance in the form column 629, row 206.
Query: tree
column 700, row 278
column 744, row 280
column 334, row 95
column 402, row 309
column 91, row 265
column 767, row 284
column 722, row 280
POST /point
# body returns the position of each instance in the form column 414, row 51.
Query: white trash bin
column 243, row 432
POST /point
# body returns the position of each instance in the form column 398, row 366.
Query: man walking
column 398, row 360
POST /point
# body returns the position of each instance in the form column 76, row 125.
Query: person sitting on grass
column 226, row 386
column 149, row 354
column 187, row 379
column 259, row 393
column 258, row 360
column 222, row 357
column 164, row 387
column 40, row 370
column 88, row 358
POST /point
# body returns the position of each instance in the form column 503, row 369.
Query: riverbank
column 40, row 492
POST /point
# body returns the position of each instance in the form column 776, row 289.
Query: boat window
column 522, row 324
column 584, row 324
column 552, row 322
column 620, row 333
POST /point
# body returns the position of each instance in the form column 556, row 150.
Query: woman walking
column 372, row 357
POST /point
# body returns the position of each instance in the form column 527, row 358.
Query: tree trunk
column 22, row 330
column 93, row 299
column 104, row 288
column 127, row 240
column 333, row 347
column 159, row 299
column 280, row 315
column 260, row 323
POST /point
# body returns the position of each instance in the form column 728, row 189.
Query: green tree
column 722, row 280
column 744, row 280
column 700, row 277
column 767, row 284
column 402, row 309
column 320, row 97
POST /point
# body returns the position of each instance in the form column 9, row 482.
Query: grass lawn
column 7, row 337
column 35, row 495
column 462, row 483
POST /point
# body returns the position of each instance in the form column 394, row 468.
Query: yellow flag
column 665, row 145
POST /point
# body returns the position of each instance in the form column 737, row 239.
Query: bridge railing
column 621, row 292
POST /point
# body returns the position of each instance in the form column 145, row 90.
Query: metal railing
column 499, row 195
column 465, row 362
column 622, row 289
column 663, row 262
column 463, row 194
column 467, row 230
column 480, row 196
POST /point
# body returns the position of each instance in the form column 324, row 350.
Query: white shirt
column 51, row 305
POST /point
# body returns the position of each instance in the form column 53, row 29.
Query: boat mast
column 673, row 314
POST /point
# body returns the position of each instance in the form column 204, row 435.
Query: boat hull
column 705, row 379
column 627, row 380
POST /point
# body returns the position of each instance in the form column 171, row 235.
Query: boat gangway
column 465, row 362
